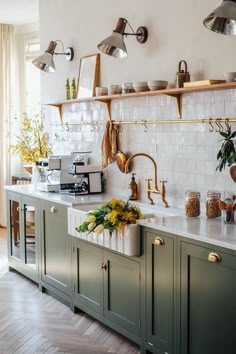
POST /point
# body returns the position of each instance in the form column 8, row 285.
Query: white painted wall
column 185, row 154
column 175, row 32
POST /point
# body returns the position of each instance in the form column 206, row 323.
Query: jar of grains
column 212, row 204
column 192, row 203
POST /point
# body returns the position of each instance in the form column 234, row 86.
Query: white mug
column 230, row 76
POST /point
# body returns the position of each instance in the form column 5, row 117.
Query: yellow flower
column 113, row 217
column 91, row 218
column 99, row 229
column 32, row 142
column 91, row 226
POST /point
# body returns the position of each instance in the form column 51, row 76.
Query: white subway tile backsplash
column 185, row 153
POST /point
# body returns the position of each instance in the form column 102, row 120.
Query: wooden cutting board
column 203, row 83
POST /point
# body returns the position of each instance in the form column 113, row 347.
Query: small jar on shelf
column 212, row 204
column 192, row 203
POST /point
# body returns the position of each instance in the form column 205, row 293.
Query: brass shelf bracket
column 178, row 97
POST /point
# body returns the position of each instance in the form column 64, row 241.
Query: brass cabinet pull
column 159, row 241
column 149, row 343
column 53, row 209
column 214, row 257
column 104, row 266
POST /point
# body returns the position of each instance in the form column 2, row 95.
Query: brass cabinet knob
column 214, row 257
column 159, row 241
column 53, row 209
column 104, row 266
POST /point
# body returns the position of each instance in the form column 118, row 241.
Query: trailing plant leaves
column 226, row 155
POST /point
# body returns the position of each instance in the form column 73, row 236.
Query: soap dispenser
column 133, row 188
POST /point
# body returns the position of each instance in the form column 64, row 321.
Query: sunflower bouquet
column 112, row 215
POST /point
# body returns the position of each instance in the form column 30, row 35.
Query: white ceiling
column 19, row 12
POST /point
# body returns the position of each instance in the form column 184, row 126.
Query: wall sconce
column 223, row 18
column 45, row 61
column 114, row 45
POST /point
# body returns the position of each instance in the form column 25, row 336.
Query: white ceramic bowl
column 140, row 83
column 140, row 86
column 157, row 85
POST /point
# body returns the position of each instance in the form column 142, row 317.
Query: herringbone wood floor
column 34, row 322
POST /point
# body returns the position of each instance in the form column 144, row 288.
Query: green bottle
column 73, row 89
column 67, row 89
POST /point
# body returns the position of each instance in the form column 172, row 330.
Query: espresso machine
column 56, row 177
column 70, row 174
column 89, row 179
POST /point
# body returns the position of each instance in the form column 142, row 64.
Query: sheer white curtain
column 6, row 95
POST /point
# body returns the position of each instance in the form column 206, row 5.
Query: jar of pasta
column 212, row 204
column 192, row 203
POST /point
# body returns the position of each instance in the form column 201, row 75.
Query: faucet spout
column 148, row 186
column 156, row 189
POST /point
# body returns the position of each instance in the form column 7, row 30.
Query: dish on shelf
column 157, row 85
column 140, row 86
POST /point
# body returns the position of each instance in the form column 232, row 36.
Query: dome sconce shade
column 114, row 45
column 45, row 61
column 223, row 18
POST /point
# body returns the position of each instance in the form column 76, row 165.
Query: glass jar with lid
column 212, row 204
column 192, row 203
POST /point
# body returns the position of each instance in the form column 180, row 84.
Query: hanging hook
column 67, row 127
column 219, row 125
column 145, row 126
column 227, row 125
column 92, row 124
column 211, row 128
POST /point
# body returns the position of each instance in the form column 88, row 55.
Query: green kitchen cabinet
column 56, row 250
column 207, row 300
column 107, row 285
column 160, row 292
column 24, row 235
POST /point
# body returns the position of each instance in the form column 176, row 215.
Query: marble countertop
column 171, row 220
column 212, row 231
column 61, row 198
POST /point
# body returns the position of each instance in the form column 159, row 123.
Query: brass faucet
column 149, row 190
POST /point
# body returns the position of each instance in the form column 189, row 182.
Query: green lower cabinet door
column 159, row 320
column 88, row 276
column 122, row 278
column 56, row 247
column 208, row 301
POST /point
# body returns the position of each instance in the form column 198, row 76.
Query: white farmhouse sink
column 128, row 243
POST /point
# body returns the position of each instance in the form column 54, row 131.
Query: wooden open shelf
column 174, row 92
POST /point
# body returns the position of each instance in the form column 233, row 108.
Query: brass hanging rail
column 178, row 121
column 95, row 124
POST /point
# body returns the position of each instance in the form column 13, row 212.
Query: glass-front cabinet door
column 15, row 236
column 29, row 235
column 23, row 235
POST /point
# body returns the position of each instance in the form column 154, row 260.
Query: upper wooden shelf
column 174, row 92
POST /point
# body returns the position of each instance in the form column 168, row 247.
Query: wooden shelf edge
column 174, row 92
column 171, row 91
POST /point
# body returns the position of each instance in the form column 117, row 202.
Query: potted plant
column 226, row 155
column 32, row 141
